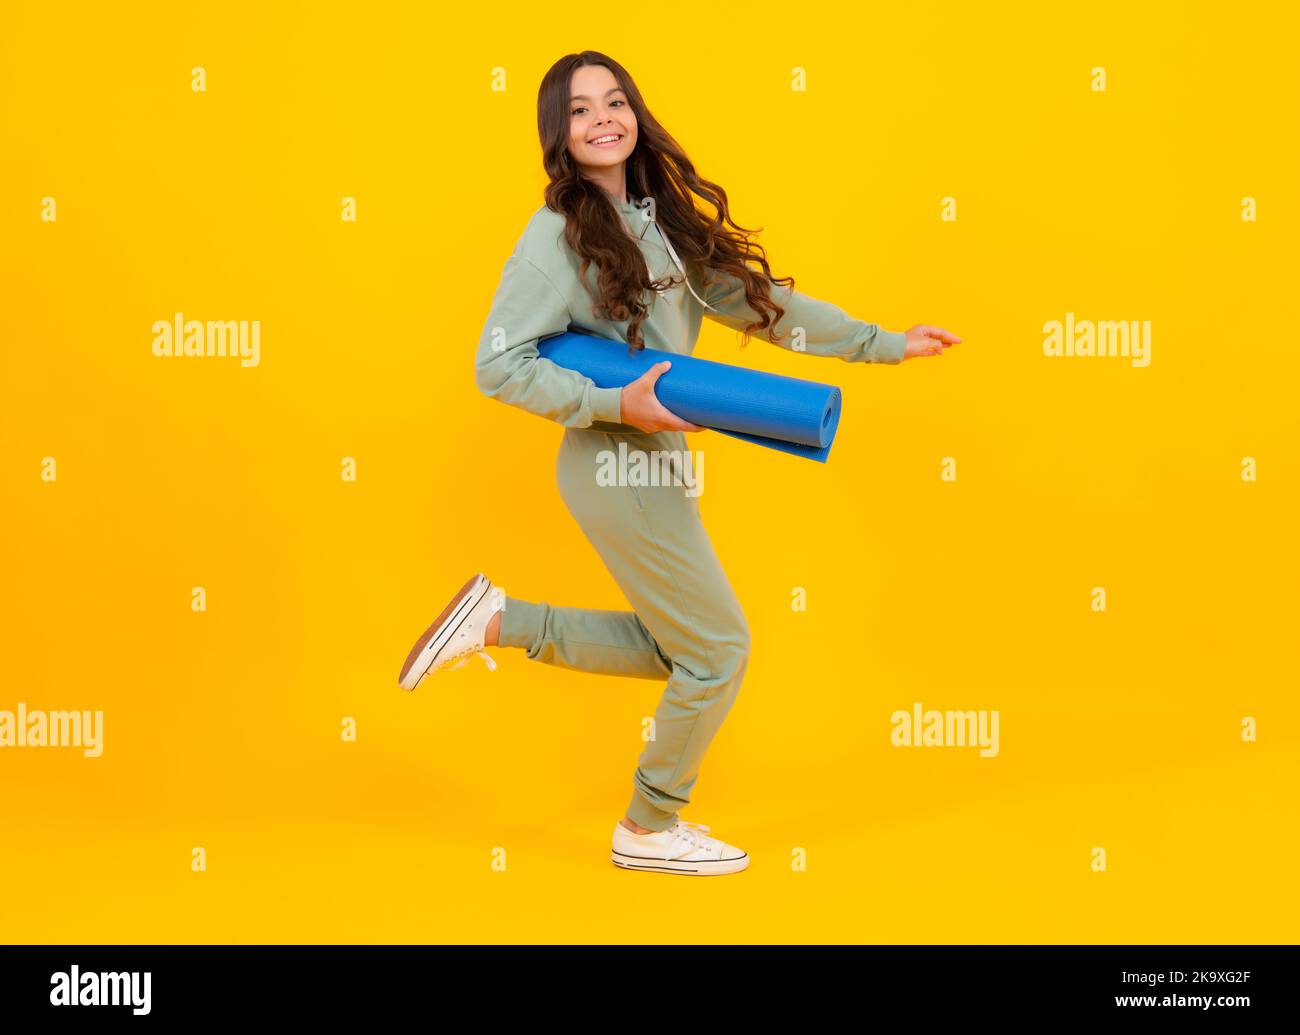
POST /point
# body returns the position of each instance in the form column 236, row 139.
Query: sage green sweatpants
column 685, row 626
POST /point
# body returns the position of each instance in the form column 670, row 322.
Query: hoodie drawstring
column 647, row 214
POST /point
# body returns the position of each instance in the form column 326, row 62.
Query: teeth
column 602, row 140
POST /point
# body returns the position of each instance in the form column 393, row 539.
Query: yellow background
column 222, row 729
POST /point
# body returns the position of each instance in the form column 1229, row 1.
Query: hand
column 924, row 340
column 642, row 409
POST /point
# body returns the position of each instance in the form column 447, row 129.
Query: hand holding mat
column 784, row 413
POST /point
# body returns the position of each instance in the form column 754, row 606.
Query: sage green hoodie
column 540, row 294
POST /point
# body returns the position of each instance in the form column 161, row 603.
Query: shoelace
column 689, row 836
column 457, row 660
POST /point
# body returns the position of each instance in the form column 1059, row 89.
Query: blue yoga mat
column 784, row 413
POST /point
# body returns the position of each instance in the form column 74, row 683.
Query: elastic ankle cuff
column 643, row 814
column 521, row 623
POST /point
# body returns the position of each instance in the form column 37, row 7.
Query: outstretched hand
column 924, row 340
column 643, row 410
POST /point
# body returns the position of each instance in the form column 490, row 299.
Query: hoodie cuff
column 885, row 347
column 607, row 405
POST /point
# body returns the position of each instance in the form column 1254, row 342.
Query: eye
column 577, row 110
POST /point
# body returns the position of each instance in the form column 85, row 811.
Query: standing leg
column 653, row 541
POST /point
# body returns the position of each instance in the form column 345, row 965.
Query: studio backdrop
column 1022, row 661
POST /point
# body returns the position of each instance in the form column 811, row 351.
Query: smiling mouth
column 607, row 140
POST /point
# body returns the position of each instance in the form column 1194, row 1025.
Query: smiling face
column 602, row 126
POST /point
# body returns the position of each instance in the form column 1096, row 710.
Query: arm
column 508, row 367
column 827, row 329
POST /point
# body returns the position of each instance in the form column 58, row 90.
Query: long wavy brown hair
column 659, row 168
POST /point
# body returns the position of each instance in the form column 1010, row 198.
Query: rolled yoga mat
column 784, row 413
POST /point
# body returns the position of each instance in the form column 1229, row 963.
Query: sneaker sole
column 441, row 631
column 694, row 868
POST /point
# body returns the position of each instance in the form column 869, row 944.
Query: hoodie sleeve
column 828, row 329
column 526, row 308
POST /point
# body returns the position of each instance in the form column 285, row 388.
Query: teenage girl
column 620, row 251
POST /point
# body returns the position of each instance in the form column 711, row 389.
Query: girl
column 620, row 221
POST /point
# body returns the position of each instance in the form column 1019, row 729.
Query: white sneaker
column 455, row 634
column 682, row 848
